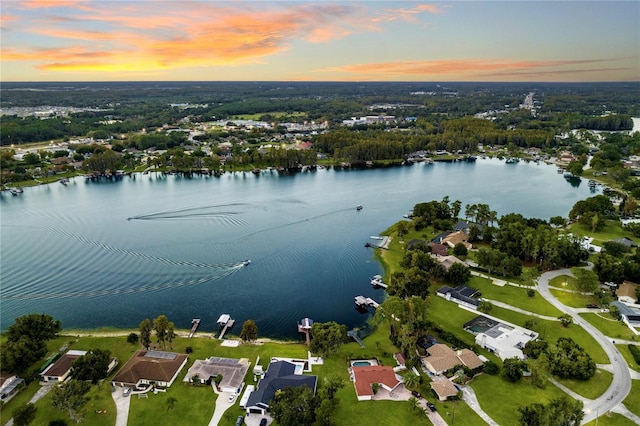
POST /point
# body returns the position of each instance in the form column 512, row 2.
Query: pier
column 225, row 322
column 304, row 326
column 362, row 301
column 195, row 323
column 376, row 281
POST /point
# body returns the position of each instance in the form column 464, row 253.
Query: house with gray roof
column 279, row 375
column 231, row 370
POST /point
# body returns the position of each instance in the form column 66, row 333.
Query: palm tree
column 413, row 403
column 411, row 379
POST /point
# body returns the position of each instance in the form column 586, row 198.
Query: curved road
column 621, row 384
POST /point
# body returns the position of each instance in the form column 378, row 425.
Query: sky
column 503, row 41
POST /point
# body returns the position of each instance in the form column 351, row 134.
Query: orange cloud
column 462, row 66
column 407, row 14
column 202, row 34
column 47, row 4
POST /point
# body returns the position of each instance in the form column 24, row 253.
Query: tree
column 249, row 331
column 458, row 274
column 460, row 250
column 327, row 337
column 26, row 341
column 23, row 416
column 71, row 397
column 171, row 333
column 332, row 385
column 558, row 221
column 567, row 360
column 92, row 366
column 294, row 406
column 512, row 369
column 36, row 327
column 402, row 228
column 491, row 368
column 587, row 280
column 485, row 306
column 145, row 333
column 161, row 326
column 411, row 379
column 132, row 338
column 566, row 320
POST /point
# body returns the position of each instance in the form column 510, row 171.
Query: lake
column 108, row 253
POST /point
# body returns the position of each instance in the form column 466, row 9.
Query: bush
column 491, row 367
column 635, row 352
column 132, row 338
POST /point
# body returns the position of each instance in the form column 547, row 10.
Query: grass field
column 611, row 231
column 626, row 353
column 610, row 327
column 592, row 388
column 501, row 399
column 575, row 300
column 632, row 402
column 611, row 419
column 514, row 296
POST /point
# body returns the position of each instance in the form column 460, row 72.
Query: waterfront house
column 150, row 367
column 231, row 370
column 60, row 370
column 279, row 375
column 505, row 341
column 365, row 376
column 458, row 237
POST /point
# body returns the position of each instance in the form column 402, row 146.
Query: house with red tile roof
column 365, row 376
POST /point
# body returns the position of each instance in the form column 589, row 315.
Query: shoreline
column 181, row 333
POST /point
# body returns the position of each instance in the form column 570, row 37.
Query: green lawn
column 611, row 419
column 632, row 402
column 514, row 296
column 609, row 327
column 593, row 387
column 501, row 399
column 626, row 353
column 611, row 231
column 575, row 300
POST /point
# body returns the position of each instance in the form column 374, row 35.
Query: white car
column 231, row 398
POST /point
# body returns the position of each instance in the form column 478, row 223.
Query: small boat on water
column 358, row 208
column 246, row 262
column 15, row 191
column 64, row 181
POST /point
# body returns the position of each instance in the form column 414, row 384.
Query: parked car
column 263, row 421
column 231, row 398
column 240, row 421
column 416, row 394
column 592, row 306
column 126, row 391
column 431, row 406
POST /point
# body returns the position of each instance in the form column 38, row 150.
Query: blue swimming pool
column 361, row 363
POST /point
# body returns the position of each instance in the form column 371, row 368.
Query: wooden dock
column 362, row 301
column 195, row 323
column 225, row 322
column 376, row 281
column 304, row 327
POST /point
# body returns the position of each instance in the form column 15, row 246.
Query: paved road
column 621, row 384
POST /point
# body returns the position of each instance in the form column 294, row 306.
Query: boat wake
column 119, row 291
column 196, row 213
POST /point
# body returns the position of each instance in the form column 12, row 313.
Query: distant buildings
column 506, row 341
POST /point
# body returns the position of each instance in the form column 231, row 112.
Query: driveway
column 621, row 384
column 222, row 405
column 122, row 406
